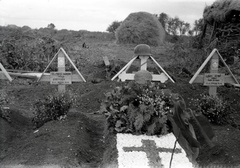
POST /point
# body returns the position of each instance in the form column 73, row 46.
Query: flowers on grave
column 138, row 108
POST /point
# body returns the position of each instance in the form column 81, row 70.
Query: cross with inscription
column 150, row 148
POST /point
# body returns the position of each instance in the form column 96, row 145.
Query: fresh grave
column 146, row 119
column 150, row 151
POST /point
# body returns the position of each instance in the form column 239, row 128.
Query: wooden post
column 124, row 68
column 143, row 62
column 106, row 61
column 214, row 69
column 61, row 68
column 4, row 74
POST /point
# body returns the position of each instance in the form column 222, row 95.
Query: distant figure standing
column 84, row 45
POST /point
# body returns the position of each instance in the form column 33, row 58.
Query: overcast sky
column 92, row 15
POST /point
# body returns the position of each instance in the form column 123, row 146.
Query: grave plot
column 150, row 151
column 135, row 112
column 145, row 108
column 132, row 145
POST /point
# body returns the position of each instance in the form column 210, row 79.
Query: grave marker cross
column 123, row 75
column 213, row 79
column 61, row 77
column 150, row 148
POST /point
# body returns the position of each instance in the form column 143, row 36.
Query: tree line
column 173, row 26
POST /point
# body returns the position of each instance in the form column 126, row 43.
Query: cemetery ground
column 81, row 139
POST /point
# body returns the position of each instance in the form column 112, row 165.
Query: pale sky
column 92, row 15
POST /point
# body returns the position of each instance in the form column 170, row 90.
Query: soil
column 81, row 139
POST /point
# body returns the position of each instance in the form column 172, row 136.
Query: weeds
column 52, row 107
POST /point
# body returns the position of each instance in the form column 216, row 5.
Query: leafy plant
column 52, row 107
column 138, row 108
column 215, row 109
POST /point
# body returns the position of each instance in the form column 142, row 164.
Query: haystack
column 141, row 28
column 222, row 11
column 223, row 18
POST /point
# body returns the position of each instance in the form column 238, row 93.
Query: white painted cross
column 142, row 52
column 214, row 78
column 123, row 75
column 144, row 151
column 61, row 77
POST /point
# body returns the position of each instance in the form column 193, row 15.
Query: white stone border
column 138, row 159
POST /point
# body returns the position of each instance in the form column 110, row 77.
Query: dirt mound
column 110, row 154
column 12, row 123
column 75, row 141
column 13, row 126
column 6, row 134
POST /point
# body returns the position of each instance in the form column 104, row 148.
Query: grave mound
column 145, row 151
column 14, row 123
column 155, row 123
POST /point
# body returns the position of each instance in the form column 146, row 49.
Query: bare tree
column 198, row 26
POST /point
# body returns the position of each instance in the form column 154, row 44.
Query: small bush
column 215, row 109
column 52, row 107
column 138, row 109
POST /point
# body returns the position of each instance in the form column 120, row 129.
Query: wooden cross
column 61, row 77
column 123, row 75
column 151, row 150
column 4, row 74
column 214, row 78
column 61, row 68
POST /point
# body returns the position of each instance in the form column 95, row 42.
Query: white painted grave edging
column 130, row 154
